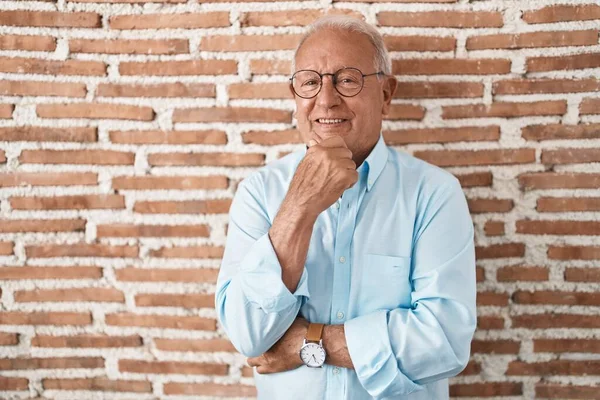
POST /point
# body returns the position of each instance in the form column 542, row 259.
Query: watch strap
column 314, row 332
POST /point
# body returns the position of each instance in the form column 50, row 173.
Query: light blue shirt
column 393, row 260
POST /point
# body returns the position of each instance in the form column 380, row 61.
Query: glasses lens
column 306, row 83
column 349, row 81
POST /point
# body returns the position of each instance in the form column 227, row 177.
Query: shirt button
column 336, row 205
column 340, row 315
column 336, row 370
column 342, row 259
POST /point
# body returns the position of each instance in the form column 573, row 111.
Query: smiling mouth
column 330, row 121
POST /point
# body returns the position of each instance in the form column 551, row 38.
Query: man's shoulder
column 421, row 172
column 277, row 173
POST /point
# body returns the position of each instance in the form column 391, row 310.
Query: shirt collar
column 375, row 161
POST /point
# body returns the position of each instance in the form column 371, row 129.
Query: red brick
column 442, row 135
column 16, row 179
column 8, row 339
column 582, row 275
column 187, row 275
column 130, row 1
column 271, row 138
column 96, row 157
column 472, row 368
column 560, row 12
column 494, row 228
column 500, row 250
column 488, row 322
column 555, row 297
column 23, row 65
column 86, row 341
column 534, row 86
column 574, row 252
column 97, row 384
column 197, row 345
column 487, row 389
column 495, row 346
column 161, row 321
column 128, row 230
column 6, row 111
column 450, row 66
column 505, row 109
column 247, row 372
column 492, row 299
column 170, row 21
column 42, row 225
column 516, row 273
column 47, row 272
column 188, row 252
column 216, row 206
column 449, row 19
column 215, row 137
column 77, row 202
column 44, row 134
column 416, row 90
column 231, row 114
column 80, row 250
column 9, row 383
column 554, row 180
column 27, row 42
column 209, row 389
column 533, row 39
column 554, row 367
column 554, row 63
column 563, row 204
column 7, row 364
column 44, row 318
column 95, row 111
column 482, row 205
column 566, row 346
column 129, row 46
column 6, row 248
column 405, row 112
column 175, row 300
column 178, row 68
column 419, row 43
column 445, row 158
column 200, row 159
column 475, row 179
column 547, row 321
column 37, row 88
column 543, row 227
column 570, row 156
column 560, row 131
column 176, row 89
column 271, row 90
column 221, row 43
column 589, row 106
column 290, row 17
column 555, row 391
column 479, row 274
column 52, row 19
column 70, row 295
column 169, row 182
column 270, row 67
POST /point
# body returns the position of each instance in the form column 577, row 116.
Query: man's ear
column 389, row 88
column 291, row 91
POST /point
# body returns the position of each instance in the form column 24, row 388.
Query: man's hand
column 322, row 176
column 285, row 354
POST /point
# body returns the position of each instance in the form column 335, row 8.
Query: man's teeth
column 330, row 121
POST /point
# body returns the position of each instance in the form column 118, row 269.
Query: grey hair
column 382, row 60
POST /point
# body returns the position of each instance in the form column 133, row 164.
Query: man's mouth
column 330, row 121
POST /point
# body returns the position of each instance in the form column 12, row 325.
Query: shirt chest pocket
column 385, row 282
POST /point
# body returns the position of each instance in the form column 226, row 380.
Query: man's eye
column 309, row 83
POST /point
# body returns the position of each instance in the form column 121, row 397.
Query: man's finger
column 253, row 361
column 263, row 369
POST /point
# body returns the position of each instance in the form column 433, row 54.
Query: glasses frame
column 333, row 80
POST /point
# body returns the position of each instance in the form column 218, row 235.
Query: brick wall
column 125, row 128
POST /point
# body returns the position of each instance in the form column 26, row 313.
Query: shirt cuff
column 260, row 278
column 373, row 358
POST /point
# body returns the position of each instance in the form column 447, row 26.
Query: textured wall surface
column 126, row 125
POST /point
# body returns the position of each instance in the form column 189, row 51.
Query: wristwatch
column 312, row 352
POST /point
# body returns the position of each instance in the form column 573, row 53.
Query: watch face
column 312, row 354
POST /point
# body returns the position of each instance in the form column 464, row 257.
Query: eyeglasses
column 348, row 82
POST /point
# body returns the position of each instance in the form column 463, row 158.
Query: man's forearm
column 334, row 341
column 290, row 236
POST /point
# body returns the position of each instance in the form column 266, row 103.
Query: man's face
column 326, row 52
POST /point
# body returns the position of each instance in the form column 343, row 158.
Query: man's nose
column 328, row 96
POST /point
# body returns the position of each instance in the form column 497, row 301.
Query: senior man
column 349, row 267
